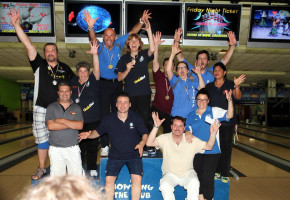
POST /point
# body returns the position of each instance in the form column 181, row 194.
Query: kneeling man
column 177, row 166
column 64, row 119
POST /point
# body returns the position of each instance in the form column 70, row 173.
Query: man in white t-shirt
column 177, row 166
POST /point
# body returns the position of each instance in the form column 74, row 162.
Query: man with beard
column 48, row 72
column 203, row 57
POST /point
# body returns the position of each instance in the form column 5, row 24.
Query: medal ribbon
column 186, row 88
column 54, row 74
column 110, row 57
column 80, row 92
column 167, row 89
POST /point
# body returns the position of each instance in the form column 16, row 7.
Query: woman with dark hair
column 217, row 90
column 133, row 68
column 86, row 93
column 198, row 124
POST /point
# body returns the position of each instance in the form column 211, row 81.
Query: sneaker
column 38, row 174
column 217, row 176
column 93, row 173
column 105, row 151
column 225, row 179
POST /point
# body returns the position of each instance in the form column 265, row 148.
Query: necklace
column 186, row 88
column 80, row 92
column 54, row 82
column 110, row 58
column 167, row 90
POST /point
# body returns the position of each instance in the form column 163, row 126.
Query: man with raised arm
column 177, row 166
column 48, row 72
column 203, row 57
column 128, row 135
column 163, row 99
column 109, row 54
column 64, row 119
column 184, row 87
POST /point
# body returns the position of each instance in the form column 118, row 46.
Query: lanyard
column 186, row 88
column 80, row 92
column 50, row 68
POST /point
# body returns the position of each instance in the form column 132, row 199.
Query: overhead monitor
column 109, row 15
column 208, row 24
column 36, row 19
column 269, row 27
column 166, row 17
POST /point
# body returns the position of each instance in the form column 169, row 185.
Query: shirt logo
column 131, row 125
column 139, row 79
column 141, row 59
column 72, row 113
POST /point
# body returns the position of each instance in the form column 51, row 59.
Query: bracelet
column 155, row 126
column 140, row 20
column 90, row 28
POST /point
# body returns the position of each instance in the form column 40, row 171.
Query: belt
column 111, row 80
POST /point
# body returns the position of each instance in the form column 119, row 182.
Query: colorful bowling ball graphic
column 101, row 24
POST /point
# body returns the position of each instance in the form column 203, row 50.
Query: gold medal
column 110, row 66
column 167, row 97
column 134, row 61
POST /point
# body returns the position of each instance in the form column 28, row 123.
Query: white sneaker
column 105, row 151
column 93, row 173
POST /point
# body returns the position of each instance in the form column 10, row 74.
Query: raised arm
column 15, row 21
column 77, row 125
column 230, row 112
column 94, row 52
column 237, row 91
column 157, row 42
column 232, row 43
column 150, row 37
column 138, row 26
column 177, row 38
column 91, row 22
column 197, row 71
column 175, row 50
column 152, row 142
column 214, row 127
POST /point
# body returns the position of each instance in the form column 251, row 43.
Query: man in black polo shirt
column 128, row 135
column 48, row 72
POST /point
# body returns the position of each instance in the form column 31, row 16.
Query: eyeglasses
column 202, row 100
column 182, row 67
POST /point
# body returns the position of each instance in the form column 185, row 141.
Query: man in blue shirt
column 109, row 55
column 203, row 57
column 128, row 135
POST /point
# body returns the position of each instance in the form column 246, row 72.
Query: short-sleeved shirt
column 207, row 76
column 137, row 81
column 124, row 136
column 218, row 98
column 45, row 92
column 66, row 137
column 111, row 57
column 163, row 88
column 184, row 95
column 89, row 97
column 201, row 129
column 178, row 159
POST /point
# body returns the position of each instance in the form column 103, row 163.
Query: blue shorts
column 44, row 145
column 135, row 166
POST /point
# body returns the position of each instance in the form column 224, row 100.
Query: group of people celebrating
column 194, row 106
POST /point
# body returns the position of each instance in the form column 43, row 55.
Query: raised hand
column 229, row 94
column 87, row 17
column 177, row 34
column 84, row 135
column 146, row 15
column 232, row 38
column 157, row 121
column 157, row 38
column 147, row 25
column 94, row 48
column 240, row 79
column 214, row 127
column 175, row 48
column 14, row 16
